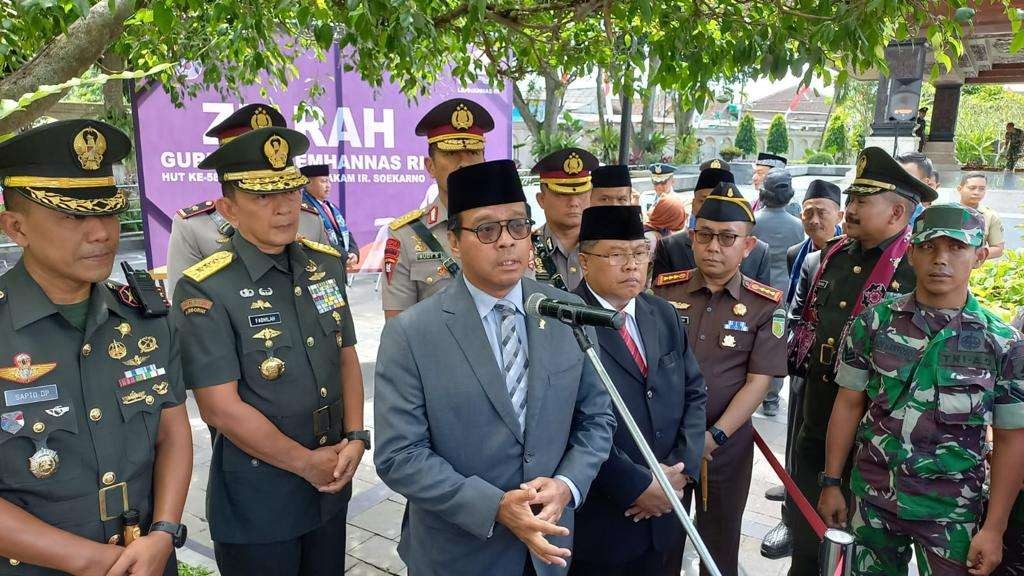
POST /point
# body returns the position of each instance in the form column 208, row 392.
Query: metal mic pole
column 652, row 462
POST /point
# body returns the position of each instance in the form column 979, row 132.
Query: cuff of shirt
column 851, row 378
column 572, row 488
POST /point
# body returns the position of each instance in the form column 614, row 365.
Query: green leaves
column 999, row 284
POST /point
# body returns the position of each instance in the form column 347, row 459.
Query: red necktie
column 330, row 214
column 633, row 350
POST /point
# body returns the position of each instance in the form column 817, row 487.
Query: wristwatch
column 178, row 532
column 825, row 481
column 719, row 435
column 361, row 435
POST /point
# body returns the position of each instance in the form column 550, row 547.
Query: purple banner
column 366, row 134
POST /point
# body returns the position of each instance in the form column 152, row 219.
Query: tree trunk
column 554, row 93
column 113, row 91
column 626, row 118
column 600, row 99
column 648, row 97
column 683, row 119
column 66, row 57
column 529, row 118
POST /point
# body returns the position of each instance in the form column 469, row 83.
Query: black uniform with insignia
column 274, row 323
column 566, row 171
column 735, row 331
column 832, row 300
column 417, row 260
column 85, row 384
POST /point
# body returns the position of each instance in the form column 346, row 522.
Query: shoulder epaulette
column 309, row 208
column 669, row 278
column 773, row 294
column 405, row 219
column 209, row 266
column 835, row 239
column 200, row 208
column 325, row 248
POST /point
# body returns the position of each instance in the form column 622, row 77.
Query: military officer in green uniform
column 417, row 261
column 565, row 185
column 268, row 347
column 737, row 328
column 200, row 230
column 92, row 425
column 855, row 272
column 921, row 376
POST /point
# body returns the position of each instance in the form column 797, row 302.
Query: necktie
column 330, row 214
column 514, row 361
column 634, row 351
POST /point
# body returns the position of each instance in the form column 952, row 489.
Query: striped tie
column 514, row 360
column 634, row 351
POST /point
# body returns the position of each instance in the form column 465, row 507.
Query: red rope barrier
column 806, row 509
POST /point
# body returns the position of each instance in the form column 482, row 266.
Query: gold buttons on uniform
column 86, row 350
column 310, row 342
column 108, row 478
column 857, row 269
column 842, row 304
column 831, row 341
column 572, row 269
column 298, row 290
column 150, row 400
column 38, row 427
column 429, row 280
column 323, row 392
column 95, row 414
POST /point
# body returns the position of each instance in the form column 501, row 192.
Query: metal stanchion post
column 836, row 555
column 652, row 462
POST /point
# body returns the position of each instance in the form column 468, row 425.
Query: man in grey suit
column 489, row 422
column 780, row 230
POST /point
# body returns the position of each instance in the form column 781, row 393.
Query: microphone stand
column 652, row 462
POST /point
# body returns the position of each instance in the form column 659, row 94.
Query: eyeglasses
column 725, row 239
column 622, row 258
column 489, row 232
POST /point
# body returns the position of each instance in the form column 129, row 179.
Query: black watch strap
column 178, row 532
column 825, row 481
column 719, row 435
column 361, row 435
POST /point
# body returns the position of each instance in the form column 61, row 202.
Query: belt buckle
column 123, row 487
column 318, row 414
column 831, row 353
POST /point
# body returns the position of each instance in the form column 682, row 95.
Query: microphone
column 573, row 314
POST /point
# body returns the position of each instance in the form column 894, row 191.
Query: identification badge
column 738, row 325
column 257, row 320
column 901, row 351
column 429, row 255
column 31, row 395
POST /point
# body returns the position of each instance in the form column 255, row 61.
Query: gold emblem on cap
column 715, row 164
column 862, row 163
column 462, row 118
column 260, row 119
column 90, row 145
column 276, row 151
column 272, row 368
column 573, row 164
column 739, row 309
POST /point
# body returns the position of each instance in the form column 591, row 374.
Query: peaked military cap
column 878, row 172
column 611, row 176
column 247, row 118
column 954, row 221
column 771, row 160
column 661, row 172
column 316, row 170
column 823, row 189
column 567, row 171
column 611, row 223
column 67, row 166
column 716, row 163
column 711, row 177
column 726, row 204
column 456, row 124
column 260, row 161
column 484, row 184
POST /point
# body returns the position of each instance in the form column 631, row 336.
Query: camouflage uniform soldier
column 930, row 370
column 1013, row 139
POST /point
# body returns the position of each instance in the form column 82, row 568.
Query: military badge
column 669, row 278
column 117, row 350
column 147, row 344
column 272, row 368
column 326, row 296
column 23, row 371
column 317, row 276
column 58, row 411
column 433, row 215
column 971, row 341
column 462, row 118
column 246, row 292
column 679, row 305
column 89, row 147
column 779, row 323
column 260, row 305
column 737, row 325
column 161, row 388
column 275, row 149
column 267, row 335
column 391, row 251
column 311, row 267
column 123, row 329
column 739, row 309
column 12, row 422
column 265, row 291
column 729, row 341
column 336, row 316
column 135, row 360
column 339, row 339
column 135, row 396
column 573, row 164
column 43, row 463
column 260, row 119
column 140, row 374
column 196, row 306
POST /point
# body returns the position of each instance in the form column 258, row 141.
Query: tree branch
column 532, row 124
column 68, row 56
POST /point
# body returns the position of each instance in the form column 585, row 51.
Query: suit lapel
column 540, row 343
column 465, row 324
column 610, row 341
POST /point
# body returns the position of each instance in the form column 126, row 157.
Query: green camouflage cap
column 955, row 221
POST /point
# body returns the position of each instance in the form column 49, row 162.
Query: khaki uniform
column 196, row 233
column 567, row 262
column 416, row 271
column 736, row 331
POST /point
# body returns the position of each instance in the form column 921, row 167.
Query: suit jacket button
column 650, row 394
column 657, row 434
column 254, row 462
